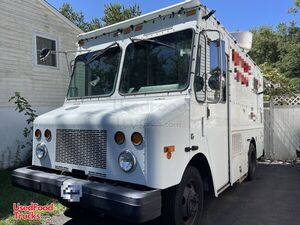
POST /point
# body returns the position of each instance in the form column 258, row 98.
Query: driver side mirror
column 214, row 82
column 44, row 54
column 198, row 83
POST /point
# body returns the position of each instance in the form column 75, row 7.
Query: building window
column 51, row 44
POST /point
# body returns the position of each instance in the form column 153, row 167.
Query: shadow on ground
column 272, row 198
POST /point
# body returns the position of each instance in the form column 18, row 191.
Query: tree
column 273, row 74
column 94, row 24
column 265, row 45
column 113, row 13
column 289, row 48
column 76, row 17
column 296, row 7
column 277, row 51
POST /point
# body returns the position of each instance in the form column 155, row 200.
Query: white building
column 27, row 26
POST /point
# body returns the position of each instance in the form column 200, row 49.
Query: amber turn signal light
column 169, row 150
column 38, row 134
column 191, row 13
column 136, row 138
column 119, row 138
column 48, row 135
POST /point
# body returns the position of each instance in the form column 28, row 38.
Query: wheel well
column 200, row 162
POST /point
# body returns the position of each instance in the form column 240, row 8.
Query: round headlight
column 48, row 135
column 41, row 151
column 127, row 161
column 119, row 138
column 38, row 134
column 136, row 138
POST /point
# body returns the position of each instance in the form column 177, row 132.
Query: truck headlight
column 127, row 161
column 41, row 151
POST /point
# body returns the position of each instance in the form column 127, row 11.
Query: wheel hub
column 193, row 203
column 190, row 203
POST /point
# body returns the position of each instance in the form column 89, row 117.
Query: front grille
column 81, row 147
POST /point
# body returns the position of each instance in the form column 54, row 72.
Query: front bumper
column 129, row 204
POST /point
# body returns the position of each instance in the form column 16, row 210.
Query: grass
column 10, row 195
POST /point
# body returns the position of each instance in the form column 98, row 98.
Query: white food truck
column 160, row 109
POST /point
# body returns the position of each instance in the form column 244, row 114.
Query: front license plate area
column 71, row 191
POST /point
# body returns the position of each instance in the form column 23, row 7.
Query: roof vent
column 244, row 39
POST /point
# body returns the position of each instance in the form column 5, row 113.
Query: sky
column 235, row 15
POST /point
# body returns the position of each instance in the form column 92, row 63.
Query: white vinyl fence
column 282, row 128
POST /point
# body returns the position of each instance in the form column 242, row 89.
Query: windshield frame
column 167, row 91
column 115, row 82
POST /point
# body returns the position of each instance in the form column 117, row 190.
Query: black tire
column 183, row 204
column 252, row 162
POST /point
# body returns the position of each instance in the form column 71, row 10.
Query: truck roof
column 188, row 4
column 140, row 19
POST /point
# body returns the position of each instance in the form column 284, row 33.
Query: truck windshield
column 95, row 73
column 157, row 65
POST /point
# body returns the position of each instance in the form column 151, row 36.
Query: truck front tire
column 183, row 204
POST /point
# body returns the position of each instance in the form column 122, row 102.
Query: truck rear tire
column 183, row 204
column 252, row 162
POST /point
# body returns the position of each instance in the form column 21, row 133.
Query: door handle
column 202, row 126
column 208, row 112
column 193, row 148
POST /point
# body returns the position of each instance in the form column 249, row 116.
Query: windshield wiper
column 136, row 40
column 98, row 54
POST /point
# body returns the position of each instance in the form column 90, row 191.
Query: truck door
column 209, row 109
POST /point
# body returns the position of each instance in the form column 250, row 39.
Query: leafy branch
column 286, row 86
column 23, row 106
column 296, row 7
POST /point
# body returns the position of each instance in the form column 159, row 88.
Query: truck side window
column 214, row 87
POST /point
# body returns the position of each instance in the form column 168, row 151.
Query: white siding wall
column 43, row 87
